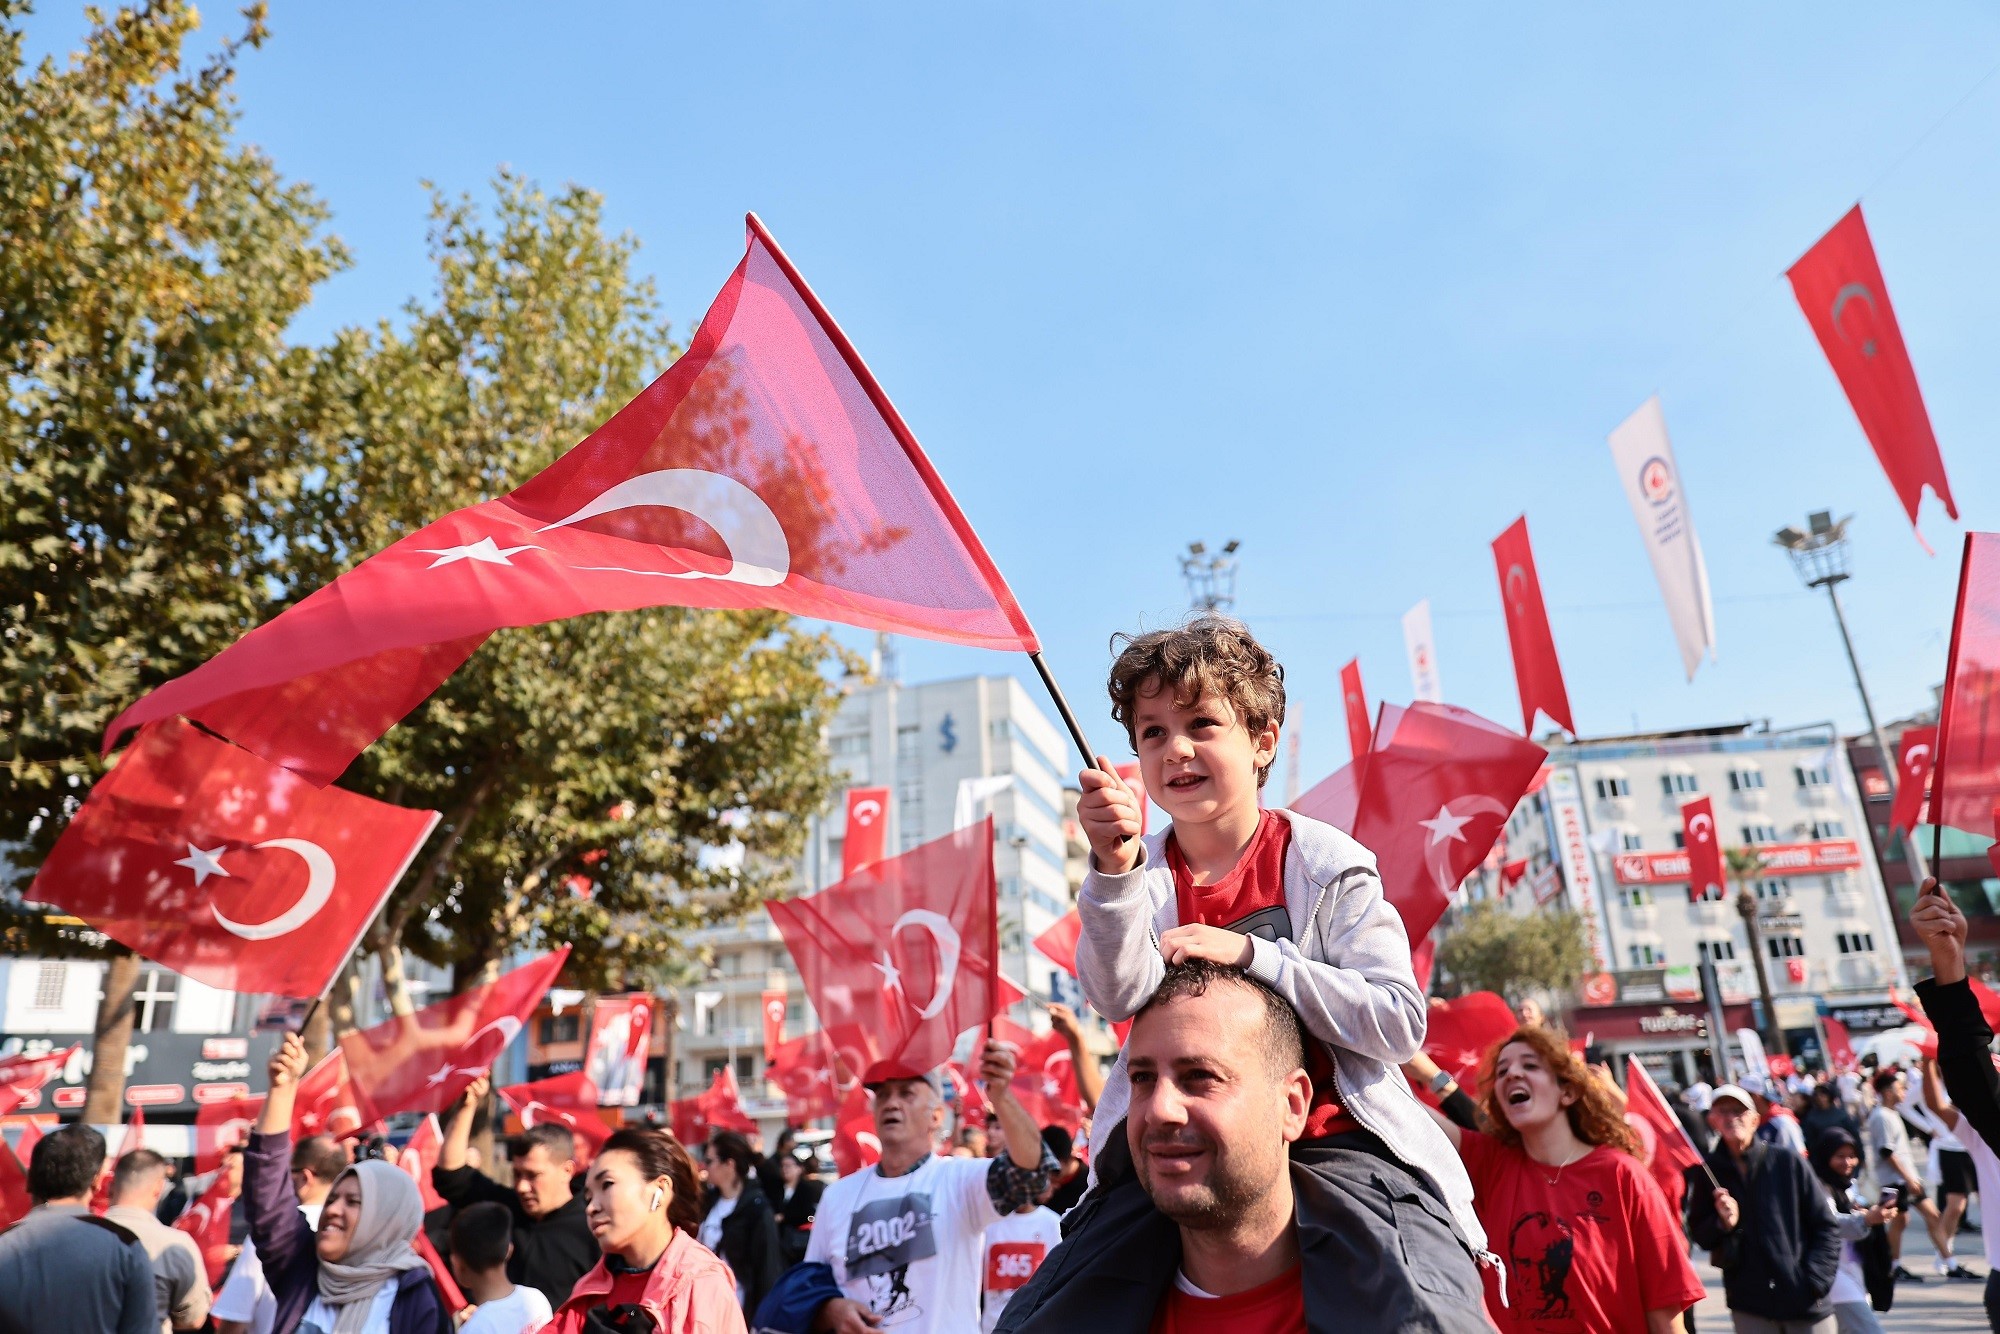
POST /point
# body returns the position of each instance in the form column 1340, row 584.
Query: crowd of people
column 1256, row 1158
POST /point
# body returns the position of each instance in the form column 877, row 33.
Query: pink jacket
column 691, row 1292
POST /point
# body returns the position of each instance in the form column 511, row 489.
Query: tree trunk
column 318, row 1032
column 670, row 1020
column 343, row 1002
column 395, row 985
column 104, row 1104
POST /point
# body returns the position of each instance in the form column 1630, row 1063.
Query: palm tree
column 1746, row 868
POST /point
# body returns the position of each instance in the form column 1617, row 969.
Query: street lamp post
column 1820, row 557
column 1211, row 579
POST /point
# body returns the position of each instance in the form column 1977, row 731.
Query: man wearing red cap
column 903, row 1237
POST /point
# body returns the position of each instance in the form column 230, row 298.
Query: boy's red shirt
column 1251, row 899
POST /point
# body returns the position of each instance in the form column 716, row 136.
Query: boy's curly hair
column 1208, row 655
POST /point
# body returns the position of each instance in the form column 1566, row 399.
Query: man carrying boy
column 1298, row 905
column 482, row 1237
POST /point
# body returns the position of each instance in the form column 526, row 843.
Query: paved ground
column 1932, row 1307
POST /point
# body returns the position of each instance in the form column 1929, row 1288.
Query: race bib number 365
column 1010, row 1264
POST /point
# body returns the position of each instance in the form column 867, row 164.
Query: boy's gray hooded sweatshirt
column 1346, row 971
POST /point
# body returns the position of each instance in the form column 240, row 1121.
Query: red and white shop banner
column 1658, row 868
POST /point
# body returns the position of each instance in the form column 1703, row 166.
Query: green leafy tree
column 660, row 761
column 1489, row 947
column 156, row 434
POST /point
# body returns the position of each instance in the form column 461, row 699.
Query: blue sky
column 1352, row 285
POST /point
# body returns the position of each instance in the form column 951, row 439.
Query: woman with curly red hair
column 1585, row 1237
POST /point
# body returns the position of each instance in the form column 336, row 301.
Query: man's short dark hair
column 551, row 1136
column 1284, row 1037
column 66, row 1163
column 134, row 1169
column 1887, row 1080
column 1059, row 1141
column 481, row 1234
column 321, row 1155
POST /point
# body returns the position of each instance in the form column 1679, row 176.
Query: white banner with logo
column 1422, row 648
column 1644, row 458
column 1578, row 862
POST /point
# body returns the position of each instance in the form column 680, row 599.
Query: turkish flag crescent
column 1839, row 286
column 1703, row 850
column 22, row 1077
column 325, row 1104
column 867, row 829
column 421, row 1062
column 1915, row 751
column 1356, row 699
column 765, row 468
column 221, row 1126
column 568, row 1100
column 240, row 874
column 1965, row 777
column 774, row 1023
column 1536, row 671
column 803, row 1068
column 1437, row 790
column 207, row 1221
column 904, row 951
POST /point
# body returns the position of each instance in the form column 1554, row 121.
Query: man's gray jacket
column 60, row 1268
column 180, row 1277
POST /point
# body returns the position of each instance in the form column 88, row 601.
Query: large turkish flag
column 765, row 468
column 1537, row 673
column 903, row 951
column 205, row 858
column 1839, row 286
column 421, row 1062
column 1965, row 780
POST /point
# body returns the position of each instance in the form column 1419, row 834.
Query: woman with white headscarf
column 360, row 1273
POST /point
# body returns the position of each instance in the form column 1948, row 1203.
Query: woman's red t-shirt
column 1277, row 1307
column 1590, row 1253
column 1255, row 885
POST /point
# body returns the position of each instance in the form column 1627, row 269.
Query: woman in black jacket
column 798, row 1199
column 737, row 1224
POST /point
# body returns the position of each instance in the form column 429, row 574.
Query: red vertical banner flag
column 621, row 1037
column 1965, row 776
column 766, row 468
column 240, row 874
column 1916, row 749
column 1356, row 700
column 421, row 1062
column 1704, row 849
column 902, row 955
column 1839, row 287
column 867, row 836
column 1436, row 792
column 774, row 1024
column 1537, row 673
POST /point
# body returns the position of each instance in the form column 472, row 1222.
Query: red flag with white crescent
column 568, row 1100
column 855, row 1144
column 22, row 1077
column 222, row 1126
column 1915, row 751
column 903, row 951
column 867, row 834
column 1537, row 673
column 240, row 874
column 325, row 1104
column 621, row 1036
column 421, row 1062
column 207, row 1221
column 765, row 468
column 773, row 1008
column 1704, row 850
column 1839, row 287
column 1965, row 774
column 1359, row 735
column 804, row 1068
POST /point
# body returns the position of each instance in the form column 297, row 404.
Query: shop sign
column 1659, row 868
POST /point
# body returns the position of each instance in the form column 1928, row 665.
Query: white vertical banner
column 1422, row 648
column 1644, row 458
column 1579, row 864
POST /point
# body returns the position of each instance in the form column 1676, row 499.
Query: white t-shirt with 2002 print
column 909, row 1248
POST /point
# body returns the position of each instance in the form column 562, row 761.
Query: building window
column 848, row 743
column 1716, row 951
column 1774, row 889
column 1746, row 780
column 1680, row 840
column 49, row 980
column 1646, row 956
column 1828, row 829
column 1712, row 894
column 1784, row 947
column 561, row 1028
column 1638, row 896
column 1677, row 785
column 1813, row 776
column 1607, row 788
column 1630, row 842
column 154, row 998
column 1854, row 942
column 1760, row 833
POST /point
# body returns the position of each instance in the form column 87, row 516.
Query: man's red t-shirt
column 1250, row 897
column 1590, row 1253
column 1277, row 1307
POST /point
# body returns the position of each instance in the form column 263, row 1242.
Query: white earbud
column 658, row 1196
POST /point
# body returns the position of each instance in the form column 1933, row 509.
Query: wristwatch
column 1441, row 1081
